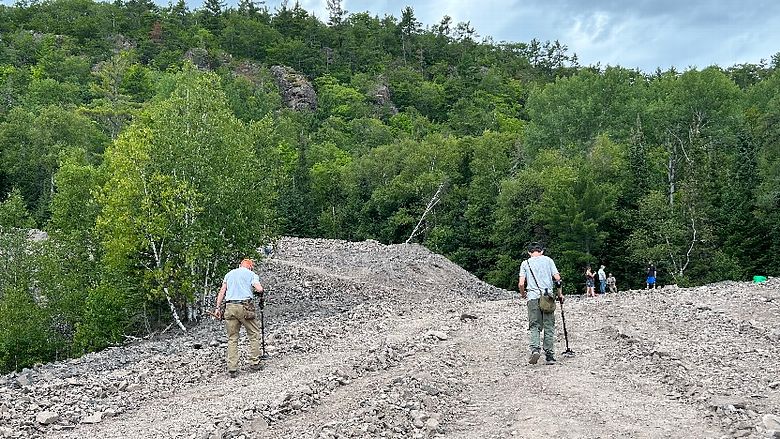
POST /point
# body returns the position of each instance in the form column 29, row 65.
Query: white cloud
column 591, row 29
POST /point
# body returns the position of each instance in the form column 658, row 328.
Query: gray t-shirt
column 239, row 283
column 544, row 268
column 602, row 274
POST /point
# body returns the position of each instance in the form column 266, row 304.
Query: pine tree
column 336, row 12
column 212, row 12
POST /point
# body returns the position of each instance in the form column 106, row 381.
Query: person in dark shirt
column 650, row 276
column 590, row 290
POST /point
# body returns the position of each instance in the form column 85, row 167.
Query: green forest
column 155, row 147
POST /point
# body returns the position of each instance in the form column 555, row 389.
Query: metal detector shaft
column 262, row 322
column 568, row 350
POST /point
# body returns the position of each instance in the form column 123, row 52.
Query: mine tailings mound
column 368, row 340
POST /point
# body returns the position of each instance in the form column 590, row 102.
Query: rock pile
column 368, row 340
column 317, row 291
column 715, row 346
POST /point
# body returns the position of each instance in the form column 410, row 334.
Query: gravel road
column 375, row 341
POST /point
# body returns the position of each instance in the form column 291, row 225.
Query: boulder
column 382, row 97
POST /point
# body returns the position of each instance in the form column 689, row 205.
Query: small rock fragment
column 47, row 417
column 93, row 418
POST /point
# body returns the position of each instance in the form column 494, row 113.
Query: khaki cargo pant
column 538, row 321
column 235, row 317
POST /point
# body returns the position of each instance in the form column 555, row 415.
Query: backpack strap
column 528, row 263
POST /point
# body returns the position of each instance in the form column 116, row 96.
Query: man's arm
column 220, row 298
column 257, row 286
column 521, row 286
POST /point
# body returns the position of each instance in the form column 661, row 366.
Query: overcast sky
column 631, row 33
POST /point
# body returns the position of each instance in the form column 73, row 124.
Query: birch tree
column 182, row 194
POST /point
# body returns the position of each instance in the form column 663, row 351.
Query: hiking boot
column 550, row 360
column 535, row 354
column 255, row 367
column 232, row 373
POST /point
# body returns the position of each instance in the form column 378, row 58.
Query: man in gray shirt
column 542, row 276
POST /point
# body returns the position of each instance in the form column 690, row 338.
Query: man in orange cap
column 237, row 293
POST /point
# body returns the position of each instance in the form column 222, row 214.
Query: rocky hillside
column 367, row 340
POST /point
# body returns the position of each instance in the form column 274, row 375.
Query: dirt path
column 580, row 396
column 499, row 395
column 370, row 341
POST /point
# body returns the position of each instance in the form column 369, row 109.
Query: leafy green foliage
column 155, row 148
column 25, row 337
column 105, row 319
column 175, row 176
column 13, row 212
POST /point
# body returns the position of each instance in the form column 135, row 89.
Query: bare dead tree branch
column 173, row 310
column 431, row 203
column 682, row 144
column 671, row 256
column 680, row 269
column 166, row 328
column 693, row 242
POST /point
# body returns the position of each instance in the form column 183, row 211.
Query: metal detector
column 568, row 352
column 262, row 323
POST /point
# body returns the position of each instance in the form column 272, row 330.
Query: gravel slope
column 370, row 341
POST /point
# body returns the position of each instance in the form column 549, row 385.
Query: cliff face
column 297, row 92
column 383, row 99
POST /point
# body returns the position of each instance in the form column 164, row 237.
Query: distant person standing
column 602, row 280
column 612, row 284
column 651, row 273
column 542, row 275
column 237, row 293
column 589, row 282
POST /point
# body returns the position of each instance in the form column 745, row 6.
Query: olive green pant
column 538, row 321
column 235, row 317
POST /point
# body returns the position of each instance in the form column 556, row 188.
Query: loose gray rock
column 258, row 425
column 432, row 424
column 46, row 418
column 441, row 335
column 23, row 380
column 362, row 313
column 93, row 418
column 727, row 403
column 771, row 422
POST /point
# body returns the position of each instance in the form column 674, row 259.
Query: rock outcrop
column 297, row 92
column 383, row 99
